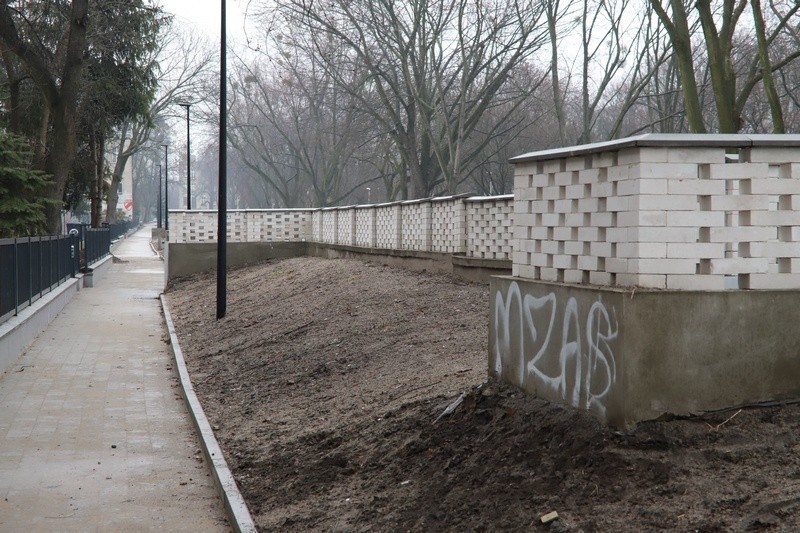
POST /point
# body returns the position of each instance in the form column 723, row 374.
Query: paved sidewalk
column 94, row 435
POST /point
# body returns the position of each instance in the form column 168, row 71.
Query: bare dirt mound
column 325, row 380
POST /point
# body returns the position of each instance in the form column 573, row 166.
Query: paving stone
column 97, row 378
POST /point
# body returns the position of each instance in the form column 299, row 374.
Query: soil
column 327, row 381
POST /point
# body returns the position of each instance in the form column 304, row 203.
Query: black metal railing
column 95, row 243
column 120, row 228
column 33, row 266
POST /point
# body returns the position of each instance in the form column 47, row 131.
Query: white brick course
column 683, row 218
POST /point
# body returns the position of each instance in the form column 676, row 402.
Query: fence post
column 373, row 233
column 59, row 256
column 30, row 271
column 352, row 238
column 16, row 278
column 398, row 226
column 72, row 256
column 51, row 250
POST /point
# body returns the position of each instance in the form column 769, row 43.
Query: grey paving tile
column 97, row 378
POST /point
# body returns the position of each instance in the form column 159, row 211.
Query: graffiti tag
column 575, row 364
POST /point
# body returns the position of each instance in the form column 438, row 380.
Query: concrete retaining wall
column 705, row 218
column 19, row 331
column 628, row 356
column 185, row 259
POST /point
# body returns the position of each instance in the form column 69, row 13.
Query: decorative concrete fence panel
column 237, row 226
column 416, row 228
column 490, row 226
column 633, row 266
column 330, row 225
column 448, row 225
column 193, row 226
column 279, row 225
column 479, row 227
column 365, row 226
column 316, row 225
column 675, row 212
column 346, row 226
column 387, row 226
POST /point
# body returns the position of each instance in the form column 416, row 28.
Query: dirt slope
column 325, row 380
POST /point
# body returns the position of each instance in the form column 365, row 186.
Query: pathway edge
column 235, row 506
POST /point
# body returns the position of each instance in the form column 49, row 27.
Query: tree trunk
column 59, row 161
column 723, row 79
column 766, row 69
column 112, row 198
column 681, row 39
column 551, row 11
column 97, row 186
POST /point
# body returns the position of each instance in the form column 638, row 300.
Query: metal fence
column 118, row 229
column 95, row 243
column 33, row 266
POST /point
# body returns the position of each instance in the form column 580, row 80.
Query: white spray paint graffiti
column 580, row 375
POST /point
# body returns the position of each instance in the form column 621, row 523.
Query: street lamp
column 159, row 197
column 188, row 160
column 222, row 192
column 166, row 188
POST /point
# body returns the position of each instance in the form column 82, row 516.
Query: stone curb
column 235, row 506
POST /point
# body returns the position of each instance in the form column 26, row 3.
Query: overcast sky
column 204, row 16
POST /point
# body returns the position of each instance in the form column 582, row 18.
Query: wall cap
column 664, row 140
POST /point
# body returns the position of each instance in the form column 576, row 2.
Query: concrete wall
column 19, row 331
column 704, row 218
column 628, row 356
column 185, row 259
column 477, row 227
column 97, row 271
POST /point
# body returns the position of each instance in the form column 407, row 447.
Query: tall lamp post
column 159, row 197
column 188, row 160
column 222, row 192
column 166, row 187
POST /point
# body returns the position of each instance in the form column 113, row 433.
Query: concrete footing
column 184, row 259
column 97, row 271
column 632, row 355
column 19, row 331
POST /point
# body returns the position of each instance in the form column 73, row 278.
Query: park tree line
column 350, row 101
column 341, row 101
column 84, row 85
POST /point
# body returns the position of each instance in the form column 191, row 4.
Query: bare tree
column 733, row 79
column 431, row 69
column 184, row 61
